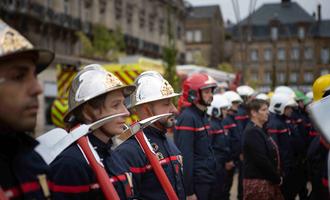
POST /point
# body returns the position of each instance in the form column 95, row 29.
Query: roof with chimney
column 287, row 15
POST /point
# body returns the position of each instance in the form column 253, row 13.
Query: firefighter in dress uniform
column 94, row 94
column 23, row 173
column 153, row 96
column 191, row 137
column 220, row 141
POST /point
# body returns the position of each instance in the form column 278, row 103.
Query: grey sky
column 228, row 13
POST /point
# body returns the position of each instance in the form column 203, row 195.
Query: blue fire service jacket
column 235, row 134
column 317, row 156
column 220, row 142
column 23, row 173
column 73, row 177
column 191, row 137
column 242, row 118
column 146, row 184
column 279, row 130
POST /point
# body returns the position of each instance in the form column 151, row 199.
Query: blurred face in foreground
column 19, row 90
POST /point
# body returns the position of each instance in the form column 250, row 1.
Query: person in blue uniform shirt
column 235, row 134
column 191, row 137
column 94, row 94
column 153, row 96
column 23, row 173
column 286, row 137
column 220, row 141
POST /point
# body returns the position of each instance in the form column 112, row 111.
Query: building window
column 178, row 32
column 66, row 6
column 254, row 55
column 189, row 57
column 308, row 77
column 161, row 26
column 301, row 33
column 267, row 78
column 267, row 54
column 129, row 13
column 197, row 36
column 325, row 55
column 142, row 14
column 254, row 76
column 118, row 8
column 152, row 18
column 103, row 5
column 324, row 71
column 295, row 53
column 308, row 53
column 189, row 36
column 281, row 54
column 274, row 33
column 281, row 77
column 293, row 77
column 86, row 11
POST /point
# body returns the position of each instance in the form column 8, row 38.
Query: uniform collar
column 150, row 130
column 14, row 142
column 199, row 111
column 100, row 147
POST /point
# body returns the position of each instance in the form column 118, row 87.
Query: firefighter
column 220, row 141
column 235, row 134
column 289, row 142
column 94, row 94
column 191, row 137
column 23, row 173
column 318, row 151
column 153, row 96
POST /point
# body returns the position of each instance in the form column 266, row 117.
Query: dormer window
column 301, row 33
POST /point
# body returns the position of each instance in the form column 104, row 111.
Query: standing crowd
column 269, row 142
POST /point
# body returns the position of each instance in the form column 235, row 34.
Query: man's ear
column 90, row 114
column 253, row 113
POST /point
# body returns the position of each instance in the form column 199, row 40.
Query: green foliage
column 104, row 44
column 199, row 59
column 226, row 67
column 170, row 54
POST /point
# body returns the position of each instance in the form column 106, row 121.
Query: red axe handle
column 159, row 171
column 2, row 195
column 102, row 177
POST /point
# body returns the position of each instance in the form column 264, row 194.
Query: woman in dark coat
column 261, row 164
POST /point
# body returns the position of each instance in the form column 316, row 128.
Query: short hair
column 255, row 105
column 79, row 118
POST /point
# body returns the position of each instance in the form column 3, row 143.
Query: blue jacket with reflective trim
column 279, row 130
column 146, row 184
column 21, row 168
column 235, row 134
column 73, row 177
column 242, row 118
column 220, row 142
column 191, row 137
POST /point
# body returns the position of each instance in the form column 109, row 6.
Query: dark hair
column 255, row 105
column 96, row 102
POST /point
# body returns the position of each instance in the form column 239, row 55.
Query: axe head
column 136, row 127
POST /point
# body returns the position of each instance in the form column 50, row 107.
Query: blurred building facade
column 281, row 42
column 204, row 31
column 52, row 24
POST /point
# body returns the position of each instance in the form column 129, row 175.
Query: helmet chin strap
column 150, row 112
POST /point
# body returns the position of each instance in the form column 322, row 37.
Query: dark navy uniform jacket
column 235, row 134
column 23, row 173
column 280, row 131
column 242, row 118
column 191, row 137
column 317, row 157
column 73, row 178
column 220, row 142
column 146, row 184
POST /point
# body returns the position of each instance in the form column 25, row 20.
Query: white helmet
column 219, row 101
column 286, row 90
column 92, row 82
column 151, row 86
column 279, row 101
column 233, row 96
column 309, row 94
column 262, row 96
column 245, row 90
